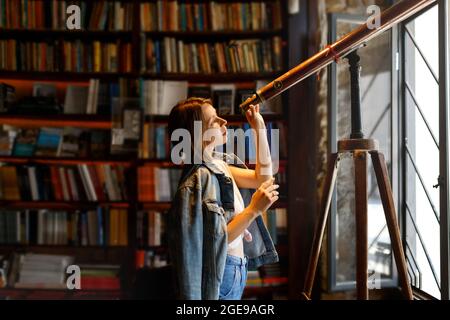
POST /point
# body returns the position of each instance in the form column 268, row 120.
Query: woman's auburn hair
column 185, row 113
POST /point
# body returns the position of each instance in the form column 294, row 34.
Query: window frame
column 444, row 138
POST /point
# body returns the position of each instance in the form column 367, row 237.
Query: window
column 422, row 146
column 405, row 105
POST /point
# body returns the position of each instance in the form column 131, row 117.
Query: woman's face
column 214, row 125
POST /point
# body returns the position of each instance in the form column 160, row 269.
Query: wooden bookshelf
column 215, row 35
column 59, row 247
column 60, row 294
column 91, row 121
column 94, row 121
column 50, row 33
column 265, row 293
column 124, row 255
column 231, row 119
column 65, row 161
column 61, row 205
column 212, row 78
column 114, row 76
column 65, row 76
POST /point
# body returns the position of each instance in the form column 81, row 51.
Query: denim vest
column 197, row 230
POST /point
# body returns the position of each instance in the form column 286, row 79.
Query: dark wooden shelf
column 37, row 293
column 156, row 205
column 264, row 292
column 231, row 119
column 63, row 205
column 82, row 254
column 159, row 249
column 220, row 1
column 206, row 36
column 216, row 77
column 77, row 161
column 48, row 33
column 66, row 76
column 162, row 163
column 114, row 76
column 72, row 205
column 63, row 161
column 92, row 121
column 28, row 247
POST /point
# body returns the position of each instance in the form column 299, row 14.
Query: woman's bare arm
column 247, row 178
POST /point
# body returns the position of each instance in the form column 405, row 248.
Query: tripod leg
column 379, row 166
column 360, row 159
column 321, row 224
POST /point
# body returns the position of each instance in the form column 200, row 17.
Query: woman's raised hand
column 255, row 118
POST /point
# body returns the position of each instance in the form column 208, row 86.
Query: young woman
column 213, row 236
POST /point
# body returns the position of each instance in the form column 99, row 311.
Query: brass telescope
column 339, row 49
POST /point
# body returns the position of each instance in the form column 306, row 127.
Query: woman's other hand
column 264, row 196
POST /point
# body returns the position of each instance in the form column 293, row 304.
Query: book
column 171, row 93
column 70, row 142
column 44, row 90
column 6, row 141
column 223, row 98
column 7, row 96
column 200, row 91
column 76, row 99
column 25, row 142
column 42, row 271
column 49, row 142
column 241, row 96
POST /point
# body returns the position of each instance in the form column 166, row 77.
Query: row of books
column 226, row 98
column 156, row 183
column 100, row 227
column 38, row 14
column 149, row 259
column 51, row 271
column 30, row 270
column 63, row 183
column 94, row 144
column 256, row 279
column 54, row 142
column 68, row 56
column 158, row 97
column 100, row 276
column 210, row 16
column 150, row 228
column 42, row 98
column 241, row 141
column 247, row 55
column 155, row 142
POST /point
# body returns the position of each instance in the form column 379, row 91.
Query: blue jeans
column 234, row 278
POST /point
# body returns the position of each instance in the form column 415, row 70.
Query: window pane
column 422, row 162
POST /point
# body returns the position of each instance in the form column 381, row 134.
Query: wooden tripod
column 360, row 149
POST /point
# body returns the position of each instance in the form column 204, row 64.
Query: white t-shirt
column 238, row 201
